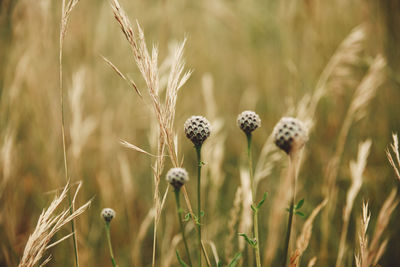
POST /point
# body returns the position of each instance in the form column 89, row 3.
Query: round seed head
column 108, row 214
column 248, row 121
column 197, row 129
column 290, row 134
column 177, row 177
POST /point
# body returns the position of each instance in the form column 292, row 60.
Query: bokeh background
column 259, row 55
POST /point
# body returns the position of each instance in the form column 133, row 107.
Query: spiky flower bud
column 108, row 214
column 290, row 134
column 177, row 177
column 197, row 129
column 248, row 121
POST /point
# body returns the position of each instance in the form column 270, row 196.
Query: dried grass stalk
column 370, row 254
column 361, row 98
column 164, row 112
column 305, row 236
column 376, row 248
column 120, row 74
column 394, row 162
column 49, row 223
column 65, row 16
column 357, row 169
column 81, row 127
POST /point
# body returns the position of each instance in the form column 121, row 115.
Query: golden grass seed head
column 108, row 214
column 177, row 177
column 197, row 129
column 290, row 134
column 248, row 121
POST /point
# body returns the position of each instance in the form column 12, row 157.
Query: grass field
column 93, row 100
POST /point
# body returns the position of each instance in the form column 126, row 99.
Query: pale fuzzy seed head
column 108, row 214
column 177, row 177
column 290, row 134
column 197, row 129
column 248, row 121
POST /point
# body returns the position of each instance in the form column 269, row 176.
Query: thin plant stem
column 288, row 231
column 109, row 244
column 199, row 164
column 179, row 210
column 253, row 190
column 71, row 208
column 294, row 159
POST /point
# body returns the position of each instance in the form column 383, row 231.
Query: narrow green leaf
column 180, row 260
column 219, row 264
column 202, row 213
column 262, row 200
column 299, row 204
column 253, row 208
column 235, row 260
column 300, row 213
column 248, row 240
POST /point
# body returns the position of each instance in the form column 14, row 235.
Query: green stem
column 257, row 248
column 109, row 244
column 178, row 207
column 288, row 231
column 199, row 163
column 253, row 190
column 250, row 162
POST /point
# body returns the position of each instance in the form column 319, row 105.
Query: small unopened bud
column 248, row 121
column 290, row 134
column 108, row 214
column 177, row 177
column 197, row 129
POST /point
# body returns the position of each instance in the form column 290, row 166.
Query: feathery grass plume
column 377, row 246
column 370, row 253
column 66, row 10
column 395, row 149
column 362, row 255
column 81, row 127
column 108, row 214
column 356, row 168
column 49, row 223
column 290, row 135
column 347, row 54
column 357, row 110
column 198, row 129
column 248, row 121
column 304, row 239
column 164, row 112
column 7, row 158
column 177, row 177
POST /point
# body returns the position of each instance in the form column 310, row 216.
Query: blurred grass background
column 260, row 55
